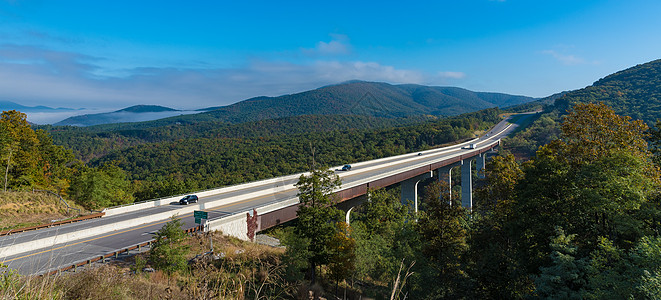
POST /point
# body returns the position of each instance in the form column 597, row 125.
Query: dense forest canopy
column 162, row 161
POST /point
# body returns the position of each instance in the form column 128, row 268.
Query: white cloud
column 338, row 45
column 34, row 76
column 451, row 75
column 372, row 71
column 566, row 59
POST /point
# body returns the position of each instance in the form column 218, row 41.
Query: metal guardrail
column 17, row 230
column 114, row 254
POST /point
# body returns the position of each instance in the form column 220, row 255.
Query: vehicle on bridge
column 188, row 199
column 346, row 168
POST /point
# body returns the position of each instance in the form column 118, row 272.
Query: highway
column 43, row 259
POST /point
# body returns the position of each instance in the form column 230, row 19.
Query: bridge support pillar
column 480, row 163
column 410, row 189
column 445, row 173
column 466, row 183
column 348, row 215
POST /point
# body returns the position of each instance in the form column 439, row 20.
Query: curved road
column 42, row 260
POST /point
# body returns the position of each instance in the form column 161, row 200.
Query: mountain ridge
column 373, row 99
column 134, row 113
column 9, row 105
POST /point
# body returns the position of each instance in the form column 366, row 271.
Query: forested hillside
column 96, row 141
column 172, row 167
column 367, row 99
column 634, row 92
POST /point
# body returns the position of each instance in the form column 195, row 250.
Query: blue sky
column 196, row 54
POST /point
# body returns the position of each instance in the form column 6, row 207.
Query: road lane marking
column 85, row 241
column 124, row 231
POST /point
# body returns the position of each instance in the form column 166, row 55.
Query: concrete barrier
column 236, row 225
column 64, row 238
column 166, row 201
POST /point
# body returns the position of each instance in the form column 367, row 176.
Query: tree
column 592, row 182
column 29, row 158
column 19, row 151
column 502, row 175
column 100, row 187
column 565, row 278
column 343, row 256
column 168, row 252
column 492, row 257
column 317, row 215
column 591, row 131
column 383, row 231
column 297, row 255
column 615, row 273
column 443, row 230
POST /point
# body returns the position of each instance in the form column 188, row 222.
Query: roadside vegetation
column 25, row 209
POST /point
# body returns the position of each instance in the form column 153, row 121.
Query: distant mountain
column 372, row 99
column 137, row 113
column 8, row 105
column 146, row 109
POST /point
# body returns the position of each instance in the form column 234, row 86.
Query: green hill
column 146, row 108
column 634, row 92
column 373, row 99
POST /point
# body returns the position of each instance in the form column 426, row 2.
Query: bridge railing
column 113, row 210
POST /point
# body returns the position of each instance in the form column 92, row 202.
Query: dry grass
column 245, row 271
column 23, row 209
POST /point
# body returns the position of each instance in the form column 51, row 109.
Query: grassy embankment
column 24, row 209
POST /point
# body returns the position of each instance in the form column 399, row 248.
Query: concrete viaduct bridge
column 239, row 210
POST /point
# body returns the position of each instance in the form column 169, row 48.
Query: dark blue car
column 188, row 199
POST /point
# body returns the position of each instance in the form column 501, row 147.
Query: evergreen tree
column 565, row 278
column 168, row 252
column 317, row 214
column 443, row 230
